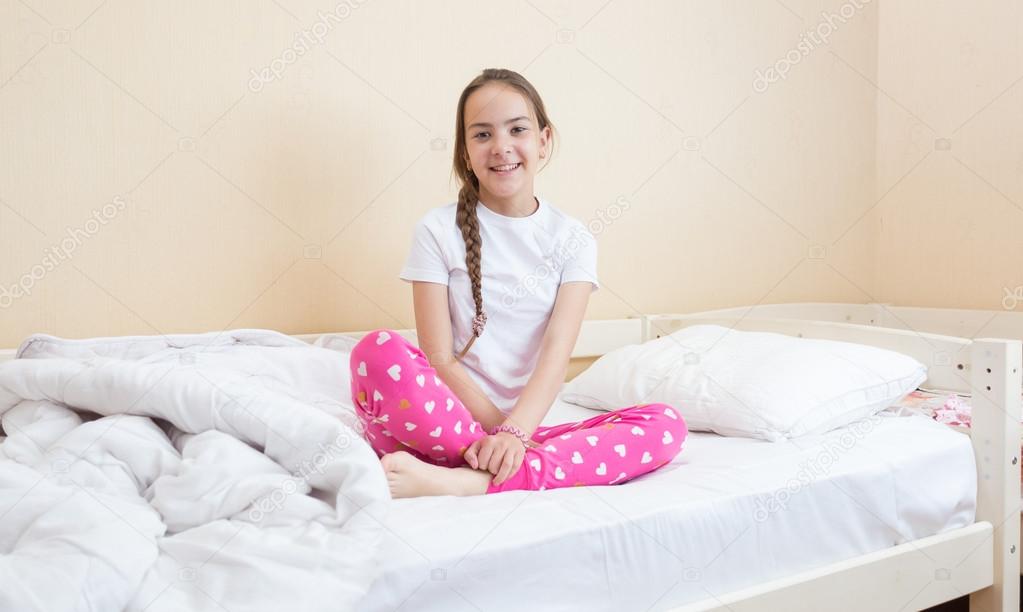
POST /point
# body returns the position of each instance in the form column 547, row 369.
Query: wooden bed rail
column 995, row 385
column 988, row 369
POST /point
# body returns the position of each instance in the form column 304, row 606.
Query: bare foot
column 407, row 476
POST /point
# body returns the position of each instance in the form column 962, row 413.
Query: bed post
column 995, row 386
column 654, row 325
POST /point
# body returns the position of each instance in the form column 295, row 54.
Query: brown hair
column 469, row 193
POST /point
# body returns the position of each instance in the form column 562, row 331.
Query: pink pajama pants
column 404, row 405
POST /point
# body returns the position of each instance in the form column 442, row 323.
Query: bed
column 726, row 513
column 919, row 567
column 969, row 324
column 912, row 515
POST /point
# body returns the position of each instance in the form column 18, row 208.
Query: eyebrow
column 486, row 125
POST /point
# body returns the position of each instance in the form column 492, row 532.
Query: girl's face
column 504, row 143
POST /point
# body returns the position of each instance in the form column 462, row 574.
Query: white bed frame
column 982, row 559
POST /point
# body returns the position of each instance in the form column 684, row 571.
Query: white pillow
column 749, row 384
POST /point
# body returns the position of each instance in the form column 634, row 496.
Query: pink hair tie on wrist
column 513, row 430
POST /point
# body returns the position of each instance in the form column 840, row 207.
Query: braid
column 469, row 225
column 468, row 195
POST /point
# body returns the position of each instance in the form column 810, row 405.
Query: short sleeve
column 425, row 260
column 581, row 262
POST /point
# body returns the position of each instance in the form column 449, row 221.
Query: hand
column 500, row 454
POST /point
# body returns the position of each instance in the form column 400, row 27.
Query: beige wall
column 289, row 204
column 950, row 153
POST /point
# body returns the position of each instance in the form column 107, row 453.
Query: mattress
column 727, row 513
column 947, row 407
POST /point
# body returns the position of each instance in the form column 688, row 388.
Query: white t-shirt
column 523, row 262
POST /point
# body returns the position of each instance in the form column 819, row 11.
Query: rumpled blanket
column 189, row 472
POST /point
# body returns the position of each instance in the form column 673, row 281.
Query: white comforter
column 200, row 472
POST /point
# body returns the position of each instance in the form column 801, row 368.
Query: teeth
column 505, row 168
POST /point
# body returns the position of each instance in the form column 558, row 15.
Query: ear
column 545, row 138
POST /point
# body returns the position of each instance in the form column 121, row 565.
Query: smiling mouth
column 506, row 168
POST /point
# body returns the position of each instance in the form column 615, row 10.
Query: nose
column 501, row 145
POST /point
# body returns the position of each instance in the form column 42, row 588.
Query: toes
column 389, row 462
column 393, row 461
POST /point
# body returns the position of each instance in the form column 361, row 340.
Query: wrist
column 512, row 430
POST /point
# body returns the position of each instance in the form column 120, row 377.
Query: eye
column 518, row 127
column 477, row 136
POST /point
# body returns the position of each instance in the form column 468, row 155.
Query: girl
column 502, row 260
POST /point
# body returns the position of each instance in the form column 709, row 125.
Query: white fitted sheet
column 700, row 526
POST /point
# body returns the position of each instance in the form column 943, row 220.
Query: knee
column 669, row 427
column 374, row 342
column 674, row 421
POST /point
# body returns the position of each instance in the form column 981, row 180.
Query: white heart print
column 601, row 469
column 458, row 427
column 438, row 448
column 637, row 431
column 383, row 337
column 384, row 418
column 647, row 458
column 620, row 449
column 428, row 406
column 436, row 381
column 411, row 354
column 565, row 436
column 550, row 448
column 670, row 413
column 559, row 473
column 410, row 426
column 592, row 440
column 420, row 380
column 666, row 438
column 577, row 458
column 362, row 368
column 436, row 432
column 377, row 397
column 620, row 476
column 535, row 464
column 394, row 372
column 449, row 404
